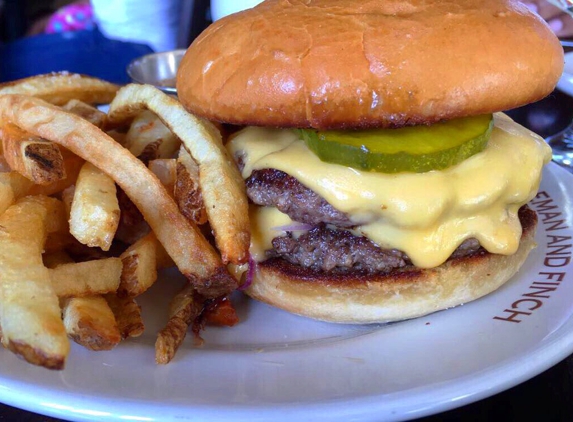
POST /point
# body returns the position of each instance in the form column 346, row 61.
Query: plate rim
column 446, row 395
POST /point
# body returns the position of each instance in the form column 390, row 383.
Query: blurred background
column 98, row 37
column 101, row 37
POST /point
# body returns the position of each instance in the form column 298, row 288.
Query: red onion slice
column 295, row 227
column 250, row 274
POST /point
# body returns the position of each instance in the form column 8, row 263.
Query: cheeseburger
column 385, row 182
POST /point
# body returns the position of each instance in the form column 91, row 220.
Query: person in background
column 74, row 17
column 560, row 22
column 151, row 22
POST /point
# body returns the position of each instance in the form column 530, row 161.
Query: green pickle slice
column 414, row 149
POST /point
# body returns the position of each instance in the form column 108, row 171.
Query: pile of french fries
column 93, row 204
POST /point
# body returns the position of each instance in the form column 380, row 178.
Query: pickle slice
column 414, row 149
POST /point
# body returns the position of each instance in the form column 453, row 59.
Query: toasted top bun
column 368, row 63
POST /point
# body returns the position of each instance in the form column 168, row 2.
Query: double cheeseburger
column 385, row 183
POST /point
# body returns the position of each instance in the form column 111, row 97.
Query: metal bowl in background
column 158, row 69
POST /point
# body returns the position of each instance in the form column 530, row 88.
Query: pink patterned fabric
column 71, row 18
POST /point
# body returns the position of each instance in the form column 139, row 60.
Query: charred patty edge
column 527, row 217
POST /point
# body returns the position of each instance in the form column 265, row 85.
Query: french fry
column 20, row 185
column 59, row 241
column 148, row 138
column 187, row 191
column 127, row 314
column 87, row 278
column 57, row 220
column 117, row 136
column 53, row 259
column 132, row 225
column 37, row 159
column 90, row 113
column 221, row 184
column 67, row 198
column 29, row 308
column 139, row 267
column 166, row 171
column 98, row 296
column 59, row 88
column 58, row 235
column 184, row 308
column 222, row 313
column 94, row 215
column 90, row 322
column 72, row 167
column 12, row 187
column 194, row 256
column 58, row 228
column 163, row 259
column 82, row 253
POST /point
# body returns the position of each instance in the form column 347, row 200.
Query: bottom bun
column 359, row 298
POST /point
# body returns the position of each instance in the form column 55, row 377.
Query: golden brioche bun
column 375, row 63
column 398, row 295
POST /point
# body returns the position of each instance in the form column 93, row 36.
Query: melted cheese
column 265, row 223
column 426, row 215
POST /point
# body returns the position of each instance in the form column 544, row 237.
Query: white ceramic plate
column 282, row 367
column 565, row 83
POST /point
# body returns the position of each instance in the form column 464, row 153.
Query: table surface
column 549, row 395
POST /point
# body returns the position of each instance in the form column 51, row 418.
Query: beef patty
column 270, row 187
column 329, row 246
